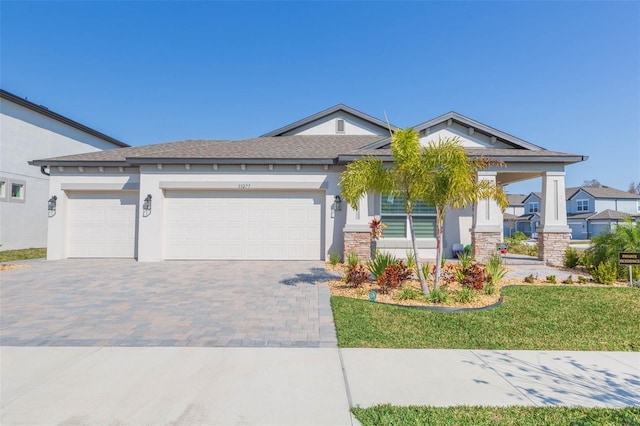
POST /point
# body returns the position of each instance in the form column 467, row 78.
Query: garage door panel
column 102, row 224
column 259, row 225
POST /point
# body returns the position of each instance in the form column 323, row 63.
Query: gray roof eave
column 78, row 163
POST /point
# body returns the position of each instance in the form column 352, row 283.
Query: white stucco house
column 277, row 196
column 29, row 131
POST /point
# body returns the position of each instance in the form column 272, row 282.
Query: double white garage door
column 219, row 225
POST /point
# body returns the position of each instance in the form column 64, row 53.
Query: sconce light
column 52, row 204
column 337, row 204
column 146, row 205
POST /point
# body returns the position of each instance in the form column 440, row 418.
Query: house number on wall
column 244, row 185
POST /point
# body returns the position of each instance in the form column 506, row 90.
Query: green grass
column 32, row 253
column 531, row 317
column 479, row 416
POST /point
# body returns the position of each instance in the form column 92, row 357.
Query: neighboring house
column 590, row 211
column 594, row 210
column 514, row 210
column 277, row 196
column 29, row 131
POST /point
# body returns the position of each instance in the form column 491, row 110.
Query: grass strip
column 531, row 317
column 31, row 253
column 381, row 415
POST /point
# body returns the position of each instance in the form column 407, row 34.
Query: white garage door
column 102, row 224
column 246, row 225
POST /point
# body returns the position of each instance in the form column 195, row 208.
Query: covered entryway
column 102, row 224
column 243, row 225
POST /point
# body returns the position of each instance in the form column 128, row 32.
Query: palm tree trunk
column 439, row 226
column 421, row 277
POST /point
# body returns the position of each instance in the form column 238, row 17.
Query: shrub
column 605, row 272
column 408, row 293
column 425, row 270
column 474, row 276
column 569, row 280
column 411, row 260
column 465, row 295
column 393, row 275
column 489, row 288
column 447, row 273
column 494, row 269
column 465, row 259
column 582, row 280
column 352, row 259
column 605, row 248
column 552, row 279
column 356, row 275
column 334, row 258
column 379, row 262
column 529, row 279
column 519, row 236
column 437, row 295
column 571, row 258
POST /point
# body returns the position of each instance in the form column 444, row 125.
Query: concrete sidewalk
column 293, row 386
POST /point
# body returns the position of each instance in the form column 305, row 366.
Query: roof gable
column 356, row 122
column 477, row 133
column 605, row 192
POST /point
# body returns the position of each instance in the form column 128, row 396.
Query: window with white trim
column 397, row 221
column 17, row 191
column 3, row 189
column 582, row 205
column 534, row 207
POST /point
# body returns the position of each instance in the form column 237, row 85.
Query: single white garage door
column 102, row 224
column 243, row 225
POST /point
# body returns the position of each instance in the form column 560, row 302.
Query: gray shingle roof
column 516, row 199
column 609, row 214
column 324, row 148
column 606, row 192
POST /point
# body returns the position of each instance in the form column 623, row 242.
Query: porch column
column 487, row 223
column 356, row 234
column 553, row 233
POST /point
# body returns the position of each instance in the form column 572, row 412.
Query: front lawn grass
column 31, row 253
column 531, row 317
column 479, row 416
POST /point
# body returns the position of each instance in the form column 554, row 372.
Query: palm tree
column 441, row 175
column 452, row 182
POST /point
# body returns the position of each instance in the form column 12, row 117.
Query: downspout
column 42, row 170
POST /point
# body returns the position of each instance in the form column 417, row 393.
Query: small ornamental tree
column 441, row 175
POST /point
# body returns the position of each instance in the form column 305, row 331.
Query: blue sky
column 563, row 75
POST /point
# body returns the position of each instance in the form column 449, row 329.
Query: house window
column 339, row 125
column 638, row 206
column 17, row 191
column 534, row 207
column 397, row 221
column 3, row 189
column 582, row 205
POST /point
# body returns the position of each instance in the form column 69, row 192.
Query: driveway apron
column 109, row 302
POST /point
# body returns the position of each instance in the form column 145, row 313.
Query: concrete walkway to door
column 111, row 302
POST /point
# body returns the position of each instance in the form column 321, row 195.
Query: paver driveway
column 108, row 302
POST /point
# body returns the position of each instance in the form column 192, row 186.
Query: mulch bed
column 340, row 288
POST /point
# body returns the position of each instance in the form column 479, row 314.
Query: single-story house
column 277, row 196
column 28, row 131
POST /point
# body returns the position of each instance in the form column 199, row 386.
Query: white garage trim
column 95, row 186
column 102, row 224
column 244, row 225
column 244, row 185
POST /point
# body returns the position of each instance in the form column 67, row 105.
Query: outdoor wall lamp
column 337, row 204
column 146, row 205
column 52, row 204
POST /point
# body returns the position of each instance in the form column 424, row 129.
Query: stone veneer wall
column 484, row 244
column 551, row 247
column 358, row 243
